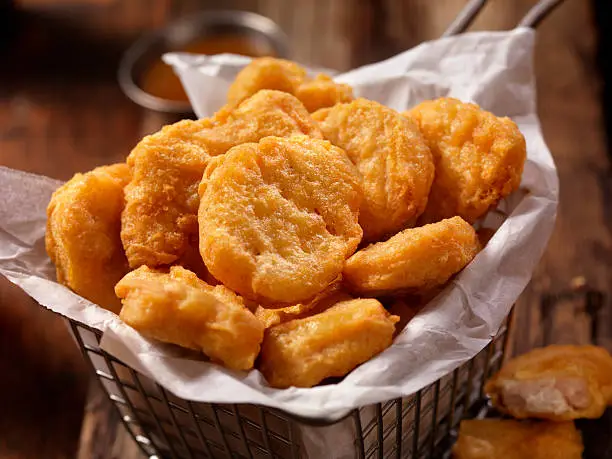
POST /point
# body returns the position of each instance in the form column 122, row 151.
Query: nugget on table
column 559, row 382
column 179, row 308
column 510, row 439
column 303, row 352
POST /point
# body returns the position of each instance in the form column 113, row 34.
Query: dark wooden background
column 61, row 111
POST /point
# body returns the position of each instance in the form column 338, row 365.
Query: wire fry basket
column 421, row 425
column 165, row 426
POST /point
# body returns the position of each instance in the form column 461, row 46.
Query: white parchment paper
column 491, row 69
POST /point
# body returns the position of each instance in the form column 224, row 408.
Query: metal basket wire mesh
column 165, row 426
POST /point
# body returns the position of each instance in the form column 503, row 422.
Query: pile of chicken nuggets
column 272, row 234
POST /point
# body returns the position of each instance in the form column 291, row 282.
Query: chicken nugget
column 181, row 309
column 413, row 261
column 82, row 238
column 278, row 218
column 303, row 352
column 393, row 158
column 159, row 218
column 479, row 158
column 159, row 223
column 559, row 383
column 289, row 77
column 510, row 439
column 267, row 113
column 265, row 73
column 322, row 92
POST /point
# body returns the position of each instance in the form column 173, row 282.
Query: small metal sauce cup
column 141, row 54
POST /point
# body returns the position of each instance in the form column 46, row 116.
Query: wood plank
column 571, row 115
column 43, row 381
column 103, row 436
column 61, row 112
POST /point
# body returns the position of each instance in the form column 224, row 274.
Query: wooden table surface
column 61, row 111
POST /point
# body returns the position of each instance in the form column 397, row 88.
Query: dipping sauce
column 159, row 79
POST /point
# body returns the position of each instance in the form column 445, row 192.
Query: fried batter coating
column 479, row 158
column 413, row 261
column 322, row 92
column 278, row 218
column 181, row 309
column 510, row 439
column 160, row 219
column 393, row 158
column 265, row 73
column 267, row 113
column 559, row 383
column 287, row 76
column 303, row 352
column 82, row 238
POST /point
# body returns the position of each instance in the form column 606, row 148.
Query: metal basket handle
column 468, row 14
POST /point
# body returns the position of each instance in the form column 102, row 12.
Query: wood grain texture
column 103, row 436
column 42, row 381
column 61, row 111
column 569, row 108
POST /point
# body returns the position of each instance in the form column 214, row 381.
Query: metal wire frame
column 470, row 12
column 164, row 426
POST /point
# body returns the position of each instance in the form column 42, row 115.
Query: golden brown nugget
column 160, row 215
column 322, row 92
column 415, row 260
column 265, row 73
column 393, row 158
column 160, row 218
column 479, row 158
column 181, row 309
column 559, row 383
column 287, row 76
column 304, row 352
column 82, row 238
column 278, row 218
column 510, row 439
column 267, row 113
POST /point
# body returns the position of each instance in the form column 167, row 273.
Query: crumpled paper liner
column 491, row 69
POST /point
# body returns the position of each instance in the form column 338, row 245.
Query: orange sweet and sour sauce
column 159, row 79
